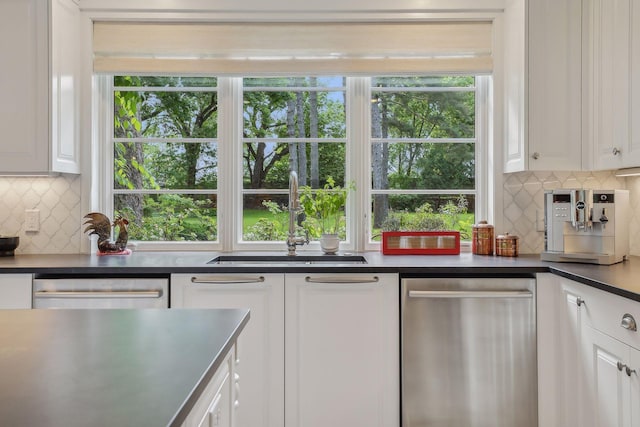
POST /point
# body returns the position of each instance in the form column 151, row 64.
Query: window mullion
column 359, row 159
column 230, row 161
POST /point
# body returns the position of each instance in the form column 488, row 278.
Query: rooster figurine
column 100, row 225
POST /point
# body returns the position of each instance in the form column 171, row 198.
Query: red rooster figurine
column 100, row 225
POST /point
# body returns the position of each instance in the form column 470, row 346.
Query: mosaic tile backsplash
column 59, row 202
column 57, row 199
column 523, row 200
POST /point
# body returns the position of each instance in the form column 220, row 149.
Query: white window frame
column 106, row 89
column 230, row 200
column 481, row 144
column 238, row 243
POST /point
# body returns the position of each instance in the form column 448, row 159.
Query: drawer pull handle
column 341, row 280
column 579, row 301
column 226, row 280
column 620, row 366
column 628, row 322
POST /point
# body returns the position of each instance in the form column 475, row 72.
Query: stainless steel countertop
column 109, row 367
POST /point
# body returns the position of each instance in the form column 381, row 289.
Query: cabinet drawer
column 604, row 312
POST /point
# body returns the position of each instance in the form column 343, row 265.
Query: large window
column 423, row 153
column 194, row 161
column 165, row 157
column 289, row 124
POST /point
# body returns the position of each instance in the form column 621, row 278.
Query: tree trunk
column 302, row 150
column 379, row 159
column 313, row 133
column 132, row 202
column 258, row 168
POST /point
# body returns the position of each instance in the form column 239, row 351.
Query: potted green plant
column 324, row 211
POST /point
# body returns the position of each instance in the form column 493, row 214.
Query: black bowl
column 8, row 245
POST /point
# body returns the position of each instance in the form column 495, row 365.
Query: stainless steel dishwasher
column 468, row 352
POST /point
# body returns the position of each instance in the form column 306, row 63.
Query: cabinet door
column 261, row 344
column 24, row 112
column 634, row 378
column 635, row 80
column 559, row 327
column 65, row 86
column 15, row 290
column 342, row 350
column 608, row 389
column 608, row 97
column 555, row 85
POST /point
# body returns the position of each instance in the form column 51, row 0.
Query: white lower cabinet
column 15, row 290
column 261, row 344
column 342, row 350
column 215, row 407
column 609, row 388
column 634, row 361
column 588, row 361
column 319, row 350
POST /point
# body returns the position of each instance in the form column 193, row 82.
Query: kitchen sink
column 288, row 260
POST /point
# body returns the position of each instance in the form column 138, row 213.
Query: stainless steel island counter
column 109, row 367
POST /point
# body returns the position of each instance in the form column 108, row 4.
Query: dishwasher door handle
column 99, row 294
column 470, row 294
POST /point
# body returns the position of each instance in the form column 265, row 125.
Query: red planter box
column 420, row 242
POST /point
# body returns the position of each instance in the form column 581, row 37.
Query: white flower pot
column 329, row 243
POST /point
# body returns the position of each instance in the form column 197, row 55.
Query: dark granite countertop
column 164, row 263
column 622, row 279
column 109, row 367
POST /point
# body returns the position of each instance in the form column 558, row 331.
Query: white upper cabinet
column 554, row 85
column 635, row 81
column 40, row 86
column 583, row 87
column 549, row 135
column 607, row 82
column 612, row 85
column 65, row 86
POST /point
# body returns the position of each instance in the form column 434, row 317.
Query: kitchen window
column 423, row 153
column 293, row 123
column 164, row 157
column 399, row 109
column 409, row 144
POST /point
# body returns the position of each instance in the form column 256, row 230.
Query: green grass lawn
column 251, row 216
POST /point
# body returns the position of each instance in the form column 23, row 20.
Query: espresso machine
column 588, row 226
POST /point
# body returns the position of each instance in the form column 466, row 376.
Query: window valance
column 381, row 48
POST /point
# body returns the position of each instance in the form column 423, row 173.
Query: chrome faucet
column 294, row 209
